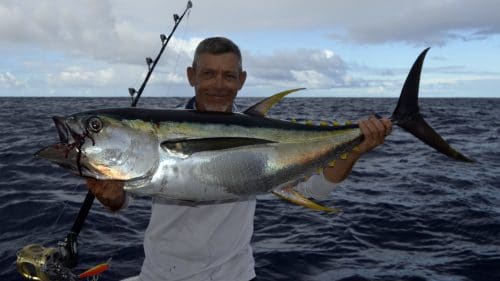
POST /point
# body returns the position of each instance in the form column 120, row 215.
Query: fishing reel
column 36, row 262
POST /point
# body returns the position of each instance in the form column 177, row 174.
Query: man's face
column 216, row 81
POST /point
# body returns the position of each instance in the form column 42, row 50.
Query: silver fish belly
column 242, row 171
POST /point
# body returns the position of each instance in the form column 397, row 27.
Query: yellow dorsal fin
column 262, row 107
column 290, row 194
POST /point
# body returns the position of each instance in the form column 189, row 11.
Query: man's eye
column 207, row 74
column 231, row 76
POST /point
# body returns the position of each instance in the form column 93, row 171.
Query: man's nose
column 219, row 81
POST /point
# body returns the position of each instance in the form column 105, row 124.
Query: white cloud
column 461, row 79
column 7, row 80
column 126, row 30
column 77, row 76
column 85, row 28
column 167, row 78
column 311, row 78
column 311, row 68
column 365, row 21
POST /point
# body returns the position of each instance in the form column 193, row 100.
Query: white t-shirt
column 204, row 242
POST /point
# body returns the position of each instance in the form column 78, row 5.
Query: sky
column 358, row 48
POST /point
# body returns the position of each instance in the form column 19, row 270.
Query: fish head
column 103, row 147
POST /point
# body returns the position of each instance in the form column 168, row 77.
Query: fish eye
column 94, row 124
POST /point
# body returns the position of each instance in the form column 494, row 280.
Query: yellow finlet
column 336, row 123
column 293, row 120
column 332, row 163
column 348, row 122
column 320, row 170
column 343, row 156
column 323, row 123
column 356, row 148
column 309, row 122
column 262, row 107
column 289, row 194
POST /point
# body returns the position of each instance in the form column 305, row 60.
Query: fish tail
column 407, row 114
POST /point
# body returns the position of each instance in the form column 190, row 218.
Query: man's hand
column 109, row 193
column 374, row 130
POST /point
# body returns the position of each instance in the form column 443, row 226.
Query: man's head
column 216, row 74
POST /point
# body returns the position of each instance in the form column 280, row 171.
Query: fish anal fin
column 261, row 108
column 187, row 147
column 291, row 195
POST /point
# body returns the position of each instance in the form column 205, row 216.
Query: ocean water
column 408, row 213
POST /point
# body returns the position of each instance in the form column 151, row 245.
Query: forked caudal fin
column 407, row 114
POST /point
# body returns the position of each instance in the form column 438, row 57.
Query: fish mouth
column 67, row 152
column 62, row 129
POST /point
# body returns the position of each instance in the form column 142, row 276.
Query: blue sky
column 333, row 48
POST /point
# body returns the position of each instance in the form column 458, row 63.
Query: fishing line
column 114, row 220
column 169, row 85
column 65, row 203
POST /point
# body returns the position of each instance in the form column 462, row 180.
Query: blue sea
column 408, row 213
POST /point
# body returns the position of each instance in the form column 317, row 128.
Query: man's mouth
column 218, row 94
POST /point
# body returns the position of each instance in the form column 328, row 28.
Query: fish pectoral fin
column 291, row 195
column 261, row 108
column 189, row 146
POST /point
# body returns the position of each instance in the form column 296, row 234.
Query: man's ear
column 191, row 75
column 243, row 78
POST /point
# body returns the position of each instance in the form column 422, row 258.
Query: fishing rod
column 36, row 262
column 135, row 95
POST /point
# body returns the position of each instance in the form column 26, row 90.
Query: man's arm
column 374, row 131
column 109, row 193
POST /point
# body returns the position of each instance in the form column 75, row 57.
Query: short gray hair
column 217, row 46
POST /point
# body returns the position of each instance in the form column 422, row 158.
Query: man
column 212, row 241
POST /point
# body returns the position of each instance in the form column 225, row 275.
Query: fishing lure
column 95, row 272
